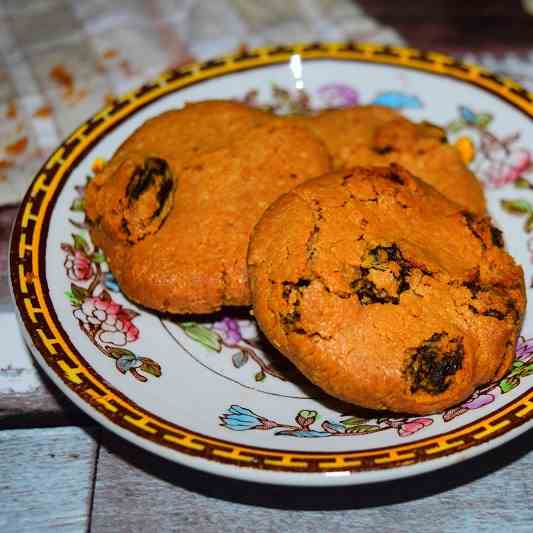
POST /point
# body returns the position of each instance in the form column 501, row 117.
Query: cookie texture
column 383, row 292
column 174, row 208
column 375, row 135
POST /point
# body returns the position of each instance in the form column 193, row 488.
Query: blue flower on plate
column 241, row 419
column 398, row 100
column 110, row 282
column 467, row 115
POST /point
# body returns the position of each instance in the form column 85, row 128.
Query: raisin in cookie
column 374, row 135
column 173, row 215
column 383, row 292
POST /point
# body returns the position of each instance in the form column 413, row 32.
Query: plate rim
column 60, row 359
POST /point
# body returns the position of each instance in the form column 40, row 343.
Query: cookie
column 175, row 227
column 342, row 128
column 374, row 135
column 196, row 128
column 383, row 292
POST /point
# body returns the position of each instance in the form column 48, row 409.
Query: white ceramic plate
column 208, row 393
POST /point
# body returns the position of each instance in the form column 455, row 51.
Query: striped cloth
column 61, row 60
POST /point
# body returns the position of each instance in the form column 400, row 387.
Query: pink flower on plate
column 411, row 426
column 78, row 266
column 338, row 95
column 111, row 322
column 502, row 168
column 229, row 330
column 407, row 426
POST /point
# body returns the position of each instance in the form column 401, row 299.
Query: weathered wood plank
column 46, row 406
column 46, row 478
column 136, row 491
column 28, row 398
column 7, row 216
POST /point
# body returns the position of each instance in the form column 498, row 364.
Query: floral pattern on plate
column 178, row 415
column 108, row 324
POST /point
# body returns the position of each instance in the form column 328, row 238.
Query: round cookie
column 383, row 292
column 196, row 128
column 374, row 135
column 175, row 229
column 344, row 127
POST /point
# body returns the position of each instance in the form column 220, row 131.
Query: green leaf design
column 79, row 293
column 353, row 421
column 260, row 376
column 363, row 428
column 483, row 119
column 80, row 243
column 522, row 183
column 526, row 370
column 517, row 365
column 518, row 206
column 117, row 353
column 528, row 224
column 98, row 257
column 205, row 336
column 78, row 205
column 72, row 299
column 509, row 383
column 305, row 418
column 150, row 366
column 456, row 125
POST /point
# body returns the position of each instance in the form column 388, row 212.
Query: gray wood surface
column 136, row 491
column 46, row 479
column 46, row 406
column 41, row 403
column 7, row 216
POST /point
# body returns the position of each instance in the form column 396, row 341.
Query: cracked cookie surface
column 375, row 135
column 174, row 208
column 383, row 292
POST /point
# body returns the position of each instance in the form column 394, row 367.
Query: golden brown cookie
column 342, row 128
column 383, row 292
column 199, row 127
column 175, row 227
column 374, row 135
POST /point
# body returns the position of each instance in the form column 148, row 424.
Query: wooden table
column 61, row 472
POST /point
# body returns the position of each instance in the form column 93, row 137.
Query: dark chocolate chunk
column 292, row 292
column 395, row 177
column 471, row 223
column 154, row 177
column 497, row 237
column 380, row 258
column 431, row 365
column 368, row 293
column 383, row 150
column 144, row 177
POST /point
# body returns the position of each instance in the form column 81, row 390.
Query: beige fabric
column 61, row 59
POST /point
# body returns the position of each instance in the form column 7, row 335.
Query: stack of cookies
column 387, row 290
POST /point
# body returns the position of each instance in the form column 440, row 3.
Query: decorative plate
column 211, row 393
